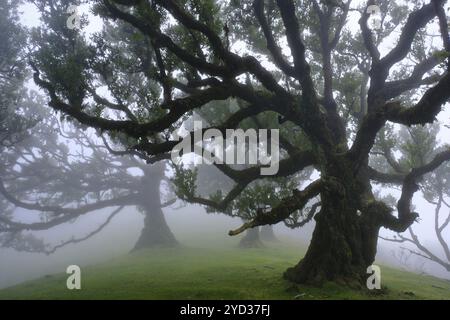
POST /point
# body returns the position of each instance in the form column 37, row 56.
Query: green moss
column 215, row 273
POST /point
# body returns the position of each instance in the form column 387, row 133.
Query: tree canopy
column 332, row 87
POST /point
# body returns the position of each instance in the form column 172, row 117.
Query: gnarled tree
column 63, row 175
column 195, row 56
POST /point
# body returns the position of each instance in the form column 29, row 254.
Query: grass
column 215, row 273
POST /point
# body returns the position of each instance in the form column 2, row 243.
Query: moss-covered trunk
column 344, row 241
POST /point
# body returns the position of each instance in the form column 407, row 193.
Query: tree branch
column 68, row 212
column 275, row 51
column 287, row 206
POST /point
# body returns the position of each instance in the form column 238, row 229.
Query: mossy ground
column 215, row 273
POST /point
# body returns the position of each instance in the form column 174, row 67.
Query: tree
column 417, row 147
column 62, row 173
column 197, row 57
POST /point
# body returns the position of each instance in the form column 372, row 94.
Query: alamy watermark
column 74, row 280
column 74, row 20
column 374, row 11
column 250, row 147
column 374, row 280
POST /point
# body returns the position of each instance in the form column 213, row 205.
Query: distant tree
column 268, row 234
column 334, row 85
column 62, row 173
column 19, row 113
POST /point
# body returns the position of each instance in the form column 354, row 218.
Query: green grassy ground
column 214, row 273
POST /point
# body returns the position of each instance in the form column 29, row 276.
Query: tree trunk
column 251, row 239
column 344, row 241
column 156, row 232
column 267, row 233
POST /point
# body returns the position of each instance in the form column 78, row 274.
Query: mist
column 191, row 225
column 90, row 118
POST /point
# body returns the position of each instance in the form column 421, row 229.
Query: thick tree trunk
column 344, row 241
column 251, row 239
column 156, row 232
column 267, row 233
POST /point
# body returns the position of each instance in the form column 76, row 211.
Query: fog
column 191, row 225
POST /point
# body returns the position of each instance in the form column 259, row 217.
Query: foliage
column 332, row 89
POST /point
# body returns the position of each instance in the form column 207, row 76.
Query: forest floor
column 215, row 273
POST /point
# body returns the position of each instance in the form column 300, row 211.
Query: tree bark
column 267, row 233
column 251, row 239
column 156, row 232
column 344, row 240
